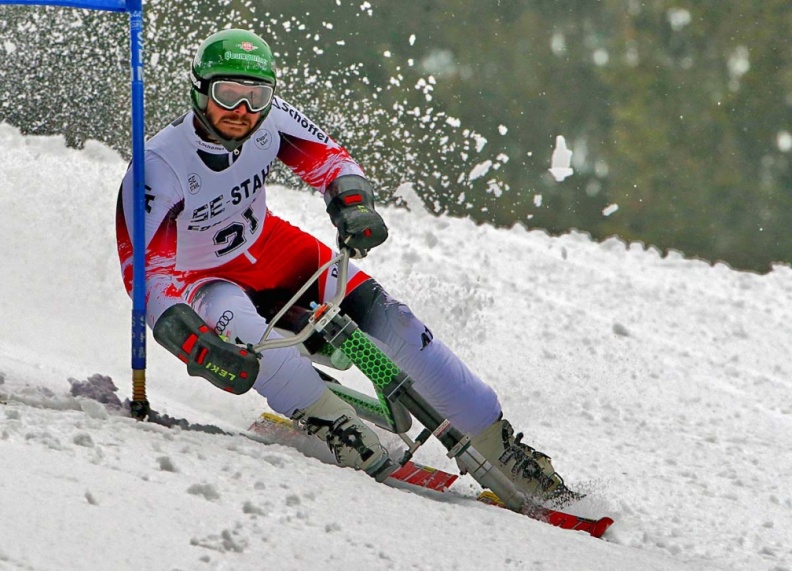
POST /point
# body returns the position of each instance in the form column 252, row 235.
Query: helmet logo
column 247, row 46
column 229, row 55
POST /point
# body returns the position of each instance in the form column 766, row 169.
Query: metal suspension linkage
column 394, row 387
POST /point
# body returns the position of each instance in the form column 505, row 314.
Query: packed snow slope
column 661, row 386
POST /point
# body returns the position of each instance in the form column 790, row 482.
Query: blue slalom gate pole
column 139, row 405
column 107, row 5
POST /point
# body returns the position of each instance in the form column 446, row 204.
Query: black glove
column 227, row 366
column 350, row 204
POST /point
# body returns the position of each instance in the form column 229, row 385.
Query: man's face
column 231, row 124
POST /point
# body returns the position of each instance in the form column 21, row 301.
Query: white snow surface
column 659, row 385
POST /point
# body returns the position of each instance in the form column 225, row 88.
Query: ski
column 424, row 476
column 411, row 473
column 419, row 475
column 594, row 527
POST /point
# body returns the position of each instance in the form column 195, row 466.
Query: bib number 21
column 233, row 236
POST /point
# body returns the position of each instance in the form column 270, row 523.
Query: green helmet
column 230, row 54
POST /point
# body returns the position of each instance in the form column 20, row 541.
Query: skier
column 212, row 244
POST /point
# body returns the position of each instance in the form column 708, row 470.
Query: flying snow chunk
column 610, row 209
column 560, row 160
column 480, row 170
column 494, row 188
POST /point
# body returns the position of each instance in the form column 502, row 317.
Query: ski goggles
column 230, row 94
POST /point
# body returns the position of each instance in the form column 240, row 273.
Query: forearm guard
column 348, row 191
column 350, row 204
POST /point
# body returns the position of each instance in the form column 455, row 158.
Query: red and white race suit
column 211, row 241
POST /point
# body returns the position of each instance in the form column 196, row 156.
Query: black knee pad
column 370, row 300
column 358, row 304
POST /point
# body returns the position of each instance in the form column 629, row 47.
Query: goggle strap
column 201, row 85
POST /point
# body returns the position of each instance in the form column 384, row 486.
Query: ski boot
column 530, row 471
column 350, row 440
